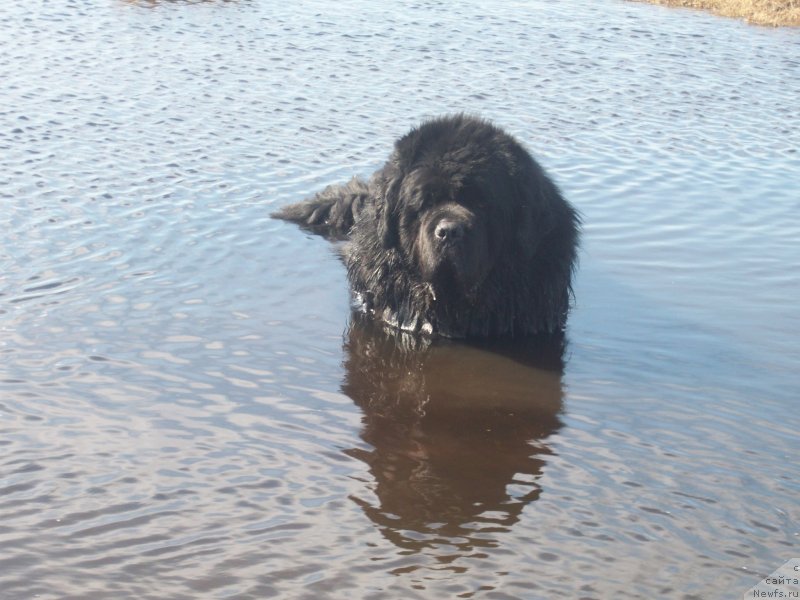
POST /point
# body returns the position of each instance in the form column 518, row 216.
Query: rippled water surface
column 188, row 408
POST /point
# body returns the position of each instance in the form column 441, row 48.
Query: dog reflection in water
column 457, row 432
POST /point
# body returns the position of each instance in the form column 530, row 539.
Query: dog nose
column 448, row 231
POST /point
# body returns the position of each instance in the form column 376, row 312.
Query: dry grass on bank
column 762, row 12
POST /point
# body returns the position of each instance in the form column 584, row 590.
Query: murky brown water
column 187, row 408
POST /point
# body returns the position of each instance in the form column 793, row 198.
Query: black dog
column 461, row 234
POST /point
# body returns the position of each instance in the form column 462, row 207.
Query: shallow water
column 188, row 409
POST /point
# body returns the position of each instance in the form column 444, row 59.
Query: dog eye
column 430, row 198
column 469, row 196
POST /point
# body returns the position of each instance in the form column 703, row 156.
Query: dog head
column 466, row 211
column 447, row 200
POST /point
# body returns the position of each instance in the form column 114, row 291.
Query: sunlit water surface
column 188, row 409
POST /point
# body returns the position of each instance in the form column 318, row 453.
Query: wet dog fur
column 461, row 234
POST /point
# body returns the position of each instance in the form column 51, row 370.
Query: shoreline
column 773, row 13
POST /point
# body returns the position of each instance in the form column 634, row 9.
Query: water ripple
column 186, row 410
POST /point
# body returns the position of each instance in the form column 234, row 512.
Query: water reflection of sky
column 185, row 410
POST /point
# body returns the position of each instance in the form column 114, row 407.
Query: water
column 187, row 408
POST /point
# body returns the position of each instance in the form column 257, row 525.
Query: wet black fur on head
column 460, row 233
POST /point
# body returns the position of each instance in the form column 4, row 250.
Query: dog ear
column 386, row 210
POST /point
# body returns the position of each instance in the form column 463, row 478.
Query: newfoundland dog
column 460, row 234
